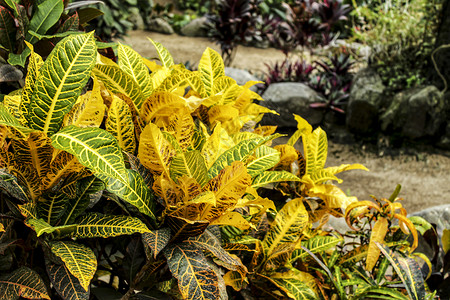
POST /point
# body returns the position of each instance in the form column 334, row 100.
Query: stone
column 160, row 25
column 241, row 76
column 444, row 141
column 366, row 96
column 196, row 28
column 415, row 113
column 288, row 98
column 439, row 215
column 136, row 18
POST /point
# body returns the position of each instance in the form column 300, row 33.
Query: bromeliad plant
column 169, row 159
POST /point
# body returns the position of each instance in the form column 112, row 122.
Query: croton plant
column 144, row 180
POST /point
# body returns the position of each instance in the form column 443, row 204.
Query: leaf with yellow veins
column 295, row 284
column 120, row 124
column 34, row 64
column 12, row 105
column 155, row 152
column 191, row 164
column 161, row 105
column 63, row 164
column 65, row 283
column 216, row 144
column 181, row 126
column 89, row 109
column 378, row 234
column 132, row 64
column 289, row 223
column 232, row 218
column 23, row 282
column 164, row 55
column 315, row 147
column 229, row 186
column 265, row 158
column 332, row 195
column 303, row 129
column 211, row 68
column 79, row 260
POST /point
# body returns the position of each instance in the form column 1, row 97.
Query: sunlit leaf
column 10, row 121
column 61, row 80
column 23, row 282
column 265, row 158
column 303, row 129
column 211, row 68
column 315, row 147
column 267, row 177
column 98, row 225
column 290, row 283
column 131, row 62
column 164, row 55
column 120, row 124
column 191, row 164
column 78, row 259
column 196, row 279
column 216, row 144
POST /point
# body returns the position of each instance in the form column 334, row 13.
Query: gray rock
column 9, row 73
column 416, row 113
column 439, row 215
column 136, row 18
column 160, row 25
column 366, row 96
column 444, row 141
column 241, row 76
column 195, row 28
column 288, row 98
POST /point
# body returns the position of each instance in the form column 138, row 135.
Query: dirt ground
column 424, row 176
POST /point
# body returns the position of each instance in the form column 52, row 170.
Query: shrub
column 178, row 174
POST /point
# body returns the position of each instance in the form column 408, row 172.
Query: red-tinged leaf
column 7, row 29
column 196, row 279
column 157, row 239
column 67, row 285
column 23, row 282
column 70, row 24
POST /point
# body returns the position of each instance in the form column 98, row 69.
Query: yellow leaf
column 232, row 218
column 378, row 234
column 216, row 144
column 120, row 124
column 161, row 106
column 315, row 147
column 446, row 240
column 288, row 155
column 181, row 126
column 303, row 129
column 345, row 167
column 210, row 68
column 332, row 195
column 222, row 113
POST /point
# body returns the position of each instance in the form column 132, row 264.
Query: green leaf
column 119, row 82
column 132, row 190
column 52, row 206
column 131, row 63
column 386, row 293
column 157, row 239
column 239, row 152
column 78, row 259
column 409, row 272
column 267, row 177
column 98, row 225
column 164, row 55
column 47, row 14
column 7, row 29
column 196, row 279
column 191, row 164
column 23, row 282
column 315, row 245
column 211, row 68
column 266, row 158
column 291, row 284
column 65, row 283
column 94, row 148
column 34, row 65
column 288, row 225
column 41, row 227
column 61, row 79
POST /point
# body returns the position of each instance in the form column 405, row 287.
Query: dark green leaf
column 65, row 283
column 157, row 239
column 23, row 282
column 7, row 30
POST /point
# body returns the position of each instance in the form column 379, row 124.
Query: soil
column 424, row 175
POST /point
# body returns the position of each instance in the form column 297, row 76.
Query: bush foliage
column 158, row 184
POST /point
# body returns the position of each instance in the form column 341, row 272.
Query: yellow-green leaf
column 211, row 68
column 97, row 225
column 79, row 260
column 289, row 223
column 345, row 167
column 267, row 177
column 131, row 62
column 120, row 124
column 290, row 282
column 216, row 144
column 164, row 55
column 191, row 164
column 23, row 282
column 315, row 244
column 61, row 79
column 315, row 147
column 196, row 279
column 65, row 283
column 446, row 240
column 265, row 158
column 10, row 121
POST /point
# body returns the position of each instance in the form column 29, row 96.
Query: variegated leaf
column 289, row 223
column 291, row 284
column 41, row 227
column 133, row 190
column 191, row 164
column 211, row 68
column 65, row 283
column 62, row 165
column 78, row 259
column 120, row 124
column 131, row 62
column 267, row 177
column 61, row 80
column 315, row 244
column 216, row 144
column 18, row 130
column 265, row 158
column 119, row 82
column 98, row 225
column 161, row 105
column 12, row 105
column 52, row 206
column 23, row 282
column 157, row 240
column 315, row 147
column 230, row 185
column 155, row 152
column 196, row 279
column 89, row 109
column 184, row 228
column 164, row 55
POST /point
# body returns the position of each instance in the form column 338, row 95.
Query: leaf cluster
column 154, row 183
